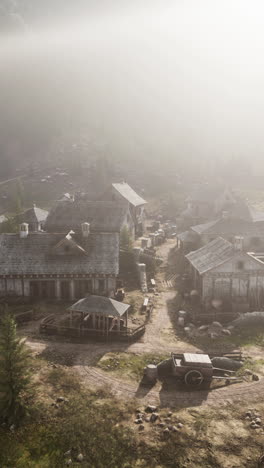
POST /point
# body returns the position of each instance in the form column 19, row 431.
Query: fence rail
column 48, row 326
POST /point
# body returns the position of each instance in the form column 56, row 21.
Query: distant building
column 208, row 202
column 35, row 218
column 222, row 270
column 229, row 228
column 55, row 265
column 123, row 193
column 103, row 216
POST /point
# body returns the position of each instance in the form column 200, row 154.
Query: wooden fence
column 48, row 326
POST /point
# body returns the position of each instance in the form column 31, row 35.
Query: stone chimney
column 23, row 230
column 85, row 229
column 239, row 243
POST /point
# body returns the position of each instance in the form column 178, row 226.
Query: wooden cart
column 193, row 369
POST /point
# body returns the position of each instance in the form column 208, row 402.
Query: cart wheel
column 193, row 377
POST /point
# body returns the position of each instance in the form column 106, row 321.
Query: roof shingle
column 35, row 254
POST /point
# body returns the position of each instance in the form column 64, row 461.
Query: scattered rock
column 258, row 421
column 175, row 429
column 167, row 420
column 255, row 377
column 154, row 417
column 253, row 425
column 170, row 414
column 67, row 454
column 12, row 428
column 166, row 431
column 162, row 424
column 151, row 409
column 80, row 457
column 213, row 336
column 180, row 425
column 216, row 325
column 138, row 421
column 141, row 427
column 60, row 399
column 69, row 462
column 226, row 332
column 147, row 419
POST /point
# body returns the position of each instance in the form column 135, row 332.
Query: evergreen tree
column 125, row 240
column 16, row 388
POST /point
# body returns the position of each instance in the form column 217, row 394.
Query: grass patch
column 130, row 364
column 63, row 381
column 255, row 366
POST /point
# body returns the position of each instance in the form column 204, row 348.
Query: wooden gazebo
column 101, row 314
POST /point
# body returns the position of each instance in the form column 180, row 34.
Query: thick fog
column 176, row 80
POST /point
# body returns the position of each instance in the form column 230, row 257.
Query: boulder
column 255, row 377
column 80, row 457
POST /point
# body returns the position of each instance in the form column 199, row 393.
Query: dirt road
column 158, row 338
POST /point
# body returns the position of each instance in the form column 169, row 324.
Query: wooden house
column 230, row 228
column 56, row 265
column 123, row 193
column 103, row 216
column 222, row 270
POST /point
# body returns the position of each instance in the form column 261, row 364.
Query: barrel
column 151, row 372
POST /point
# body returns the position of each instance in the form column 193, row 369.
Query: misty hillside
column 137, row 80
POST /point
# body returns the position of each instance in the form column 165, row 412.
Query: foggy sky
column 170, row 79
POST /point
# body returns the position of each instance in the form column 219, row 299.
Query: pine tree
column 126, row 242
column 16, row 388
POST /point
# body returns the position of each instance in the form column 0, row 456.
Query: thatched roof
column 100, row 305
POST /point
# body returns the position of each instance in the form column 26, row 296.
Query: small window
column 240, row 265
column 101, row 286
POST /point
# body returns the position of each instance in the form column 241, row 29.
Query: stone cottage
column 123, row 193
column 56, row 265
column 222, row 270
